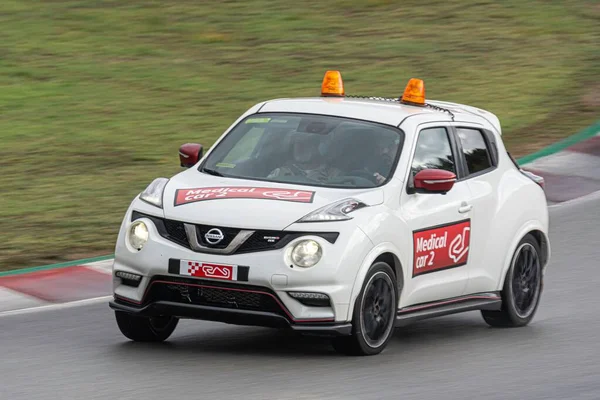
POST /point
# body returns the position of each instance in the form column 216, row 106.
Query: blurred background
column 96, row 96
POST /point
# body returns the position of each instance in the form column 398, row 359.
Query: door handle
column 464, row 207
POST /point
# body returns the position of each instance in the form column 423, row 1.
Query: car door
column 479, row 155
column 439, row 223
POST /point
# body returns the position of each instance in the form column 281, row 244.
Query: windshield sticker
column 225, row 165
column 257, row 120
column 186, row 196
column 441, row 247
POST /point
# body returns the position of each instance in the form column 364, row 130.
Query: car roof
column 383, row 110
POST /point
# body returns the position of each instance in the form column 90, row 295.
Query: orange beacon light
column 414, row 93
column 332, row 85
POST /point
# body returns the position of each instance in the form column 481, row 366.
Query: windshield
column 307, row 149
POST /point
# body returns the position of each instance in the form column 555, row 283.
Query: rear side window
column 433, row 151
column 475, row 150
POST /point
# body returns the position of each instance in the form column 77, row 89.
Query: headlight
column 138, row 235
column 334, row 212
column 153, row 194
column 306, row 253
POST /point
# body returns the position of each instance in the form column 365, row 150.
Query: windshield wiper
column 212, row 172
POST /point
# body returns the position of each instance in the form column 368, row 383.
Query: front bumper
column 222, row 302
column 266, row 274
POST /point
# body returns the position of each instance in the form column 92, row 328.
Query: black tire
column 145, row 329
column 376, row 302
column 523, row 286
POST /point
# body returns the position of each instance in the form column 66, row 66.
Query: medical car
column 337, row 215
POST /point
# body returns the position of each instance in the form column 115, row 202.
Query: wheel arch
column 385, row 252
column 535, row 229
column 394, row 262
column 544, row 243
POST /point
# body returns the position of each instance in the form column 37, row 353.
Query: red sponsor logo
column 441, row 247
column 205, row 270
column 185, row 196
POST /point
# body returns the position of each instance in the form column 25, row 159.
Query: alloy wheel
column 377, row 310
column 525, row 280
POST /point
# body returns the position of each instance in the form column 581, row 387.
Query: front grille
column 260, row 240
column 176, row 232
column 207, row 294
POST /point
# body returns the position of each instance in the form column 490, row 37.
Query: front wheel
column 145, row 329
column 522, row 287
column 374, row 314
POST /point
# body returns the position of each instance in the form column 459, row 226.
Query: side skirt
column 476, row 301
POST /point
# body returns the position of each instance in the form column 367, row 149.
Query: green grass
column 96, row 96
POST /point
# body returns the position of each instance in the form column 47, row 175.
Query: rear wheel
column 145, row 329
column 374, row 314
column 522, row 287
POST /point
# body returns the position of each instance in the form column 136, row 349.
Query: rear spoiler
column 536, row 178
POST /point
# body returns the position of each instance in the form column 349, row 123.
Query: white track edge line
column 575, row 200
column 57, row 306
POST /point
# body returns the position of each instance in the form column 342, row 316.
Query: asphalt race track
column 78, row 353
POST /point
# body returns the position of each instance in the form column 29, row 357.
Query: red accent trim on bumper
column 281, row 305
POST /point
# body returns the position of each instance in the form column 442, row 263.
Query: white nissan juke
column 340, row 216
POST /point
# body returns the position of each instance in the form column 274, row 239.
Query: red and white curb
column 571, row 173
column 49, row 287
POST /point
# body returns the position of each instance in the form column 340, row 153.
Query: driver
column 307, row 160
column 383, row 159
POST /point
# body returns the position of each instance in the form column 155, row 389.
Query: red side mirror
column 434, row 180
column 189, row 154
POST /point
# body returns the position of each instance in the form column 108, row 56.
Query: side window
column 475, row 149
column 433, row 151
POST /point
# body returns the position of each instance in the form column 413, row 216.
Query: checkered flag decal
column 199, row 269
column 193, row 267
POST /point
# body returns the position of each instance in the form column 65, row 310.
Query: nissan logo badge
column 214, row 236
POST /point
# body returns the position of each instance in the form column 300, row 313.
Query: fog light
column 128, row 278
column 311, row 299
column 138, row 235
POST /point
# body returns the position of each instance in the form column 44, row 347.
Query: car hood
column 210, row 200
